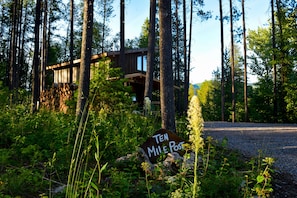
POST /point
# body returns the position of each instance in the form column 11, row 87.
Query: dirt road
column 273, row 140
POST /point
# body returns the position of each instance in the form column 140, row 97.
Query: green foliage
column 275, row 66
column 291, row 101
column 258, row 179
column 120, row 132
column 3, row 66
column 36, row 158
column 260, row 44
column 28, row 142
column 143, row 40
column 192, row 91
column 209, row 96
column 272, row 98
column 262, row 111
column 22, row 181
column 263, row 187
column 107, row 88
column 4, row 95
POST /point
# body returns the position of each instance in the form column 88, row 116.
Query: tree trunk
column 284, row 66
column 19, row 43
column 188, row 62
column 36, row 61
column 222, row 64
column 122, row 36
column 245, row 64
column 103, row 25
column 184, row 101
column 273, row 63
column 23, row 68
column 232, row 62
column 85, row 64
column 151, row 51
column 44, row 47
column 166, row 73
column 177, row 57
column 13, row 73
column 71, row 48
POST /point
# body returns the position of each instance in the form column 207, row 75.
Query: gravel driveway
column 274, row 140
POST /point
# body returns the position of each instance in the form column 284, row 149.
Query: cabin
column 134, row 70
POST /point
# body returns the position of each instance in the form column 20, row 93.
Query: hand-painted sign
column 162, row 142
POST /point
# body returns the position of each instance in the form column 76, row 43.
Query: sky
column 206, row 41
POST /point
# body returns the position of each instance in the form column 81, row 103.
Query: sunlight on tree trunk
column 151, row 51
column 245, row 64
column 71, row 46
column 86, row 53
column 166, row 73
column 232, row 62
column 222, row 64
column 273, row 62
column 35, row 87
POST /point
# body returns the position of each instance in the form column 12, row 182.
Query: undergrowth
column 48, row 154
column 36, row 155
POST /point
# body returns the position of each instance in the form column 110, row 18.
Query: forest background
column 274, row 66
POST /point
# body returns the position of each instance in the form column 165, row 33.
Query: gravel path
column 274, row 140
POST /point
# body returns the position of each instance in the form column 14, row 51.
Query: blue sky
column 206, row 35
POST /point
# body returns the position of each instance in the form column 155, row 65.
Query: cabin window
column 141, row 63
column 144, row 65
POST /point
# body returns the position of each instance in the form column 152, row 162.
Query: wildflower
column 268, row 160
column 145, row 166
column 147, row 106
column 195, row 124
column 196, row 127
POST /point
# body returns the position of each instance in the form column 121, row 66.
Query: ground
column 272, row 140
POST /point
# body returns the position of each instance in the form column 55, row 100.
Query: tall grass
column 102, row 137
column 78, row 157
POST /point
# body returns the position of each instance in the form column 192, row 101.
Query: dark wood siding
column 61, row 69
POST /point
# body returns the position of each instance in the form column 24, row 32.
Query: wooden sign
column 162, row 142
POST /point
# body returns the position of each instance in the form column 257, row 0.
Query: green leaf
column 260, row 178
column 94, row 186
column 103, row 167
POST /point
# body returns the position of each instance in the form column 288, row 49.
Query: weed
column 263, row 186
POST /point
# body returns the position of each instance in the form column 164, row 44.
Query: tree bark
column 13, row 72
column 245, row 64
column 284, row 66
column 166, row 72
column 177, row 59
column 44, row 47
column 151, row 51
column 122, row 36
column 222, row 64
column 71, row 46
column 232, row 62
column 188, row 62
column 23, row 68
column 36, row 61
column 86, row 53
column 273, row 63
column 103, row 24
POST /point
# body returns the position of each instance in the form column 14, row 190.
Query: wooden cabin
column 134, row 70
